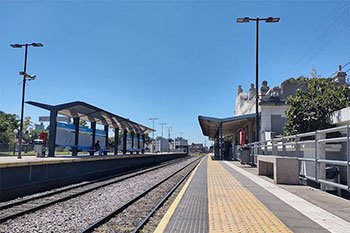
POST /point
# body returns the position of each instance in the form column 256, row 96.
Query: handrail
column 306, row 159
column 306, row 142
column 340, row 139
column 335, row 129
column 334, row 162
column 292, row 146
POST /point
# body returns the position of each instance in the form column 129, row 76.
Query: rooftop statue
column 239, row 90
column 264, row 88
column 251, row 92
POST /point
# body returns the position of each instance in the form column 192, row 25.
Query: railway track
column 109, row 223
column 14, row 209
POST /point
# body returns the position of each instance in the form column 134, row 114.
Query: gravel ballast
column 77, row 213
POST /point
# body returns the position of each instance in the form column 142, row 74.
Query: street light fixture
column 28, row 76
column 242, row 20
column 257, row 20
column 153, row 119
column 272, row 20
column 25, row 77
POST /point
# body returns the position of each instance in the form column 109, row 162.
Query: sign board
column 59, row 118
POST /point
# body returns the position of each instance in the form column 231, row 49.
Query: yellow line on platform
column 233, row 208
column 166, row 218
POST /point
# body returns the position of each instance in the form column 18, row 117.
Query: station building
column 272, row 118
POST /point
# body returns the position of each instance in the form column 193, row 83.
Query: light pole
column 15, row 132
column 161, row 140
column 257, row 20
column 169, row 129
column 153, row 119
column 25, row 77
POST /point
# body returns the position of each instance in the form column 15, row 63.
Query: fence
column 329, row 147
column 10, row 149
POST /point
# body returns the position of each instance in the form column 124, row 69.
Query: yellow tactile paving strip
column 233, row 208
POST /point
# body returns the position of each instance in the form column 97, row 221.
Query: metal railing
column 320, row 142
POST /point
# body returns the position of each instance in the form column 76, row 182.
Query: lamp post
column 25, row 77
column 15, row 132
column 257, row 20
column 161, row 140
column 153, row 119
column 169, row 129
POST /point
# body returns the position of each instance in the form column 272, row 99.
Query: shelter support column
column 106, row 144
column 76, row 136
column 250, row 131
column 93, row 127
column 125, row 133
column 217, row 146
column 221, row 140
column 52, row 133
column 132, row 142
column 143, row 144
column 138, row 143
column 116, row 140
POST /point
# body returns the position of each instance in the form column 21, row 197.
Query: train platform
column 225, row 196
column 29, row 175
column 13, row 161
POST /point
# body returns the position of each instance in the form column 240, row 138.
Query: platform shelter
column 217, row 128
column 84, row 138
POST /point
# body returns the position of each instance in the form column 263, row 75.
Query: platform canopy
column 210, row 125
column 91, row 113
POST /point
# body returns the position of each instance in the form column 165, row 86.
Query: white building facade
column 161, row 144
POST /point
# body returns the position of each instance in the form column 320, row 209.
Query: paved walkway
column 223, row 196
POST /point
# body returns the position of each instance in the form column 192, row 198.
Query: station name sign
column 47, row 118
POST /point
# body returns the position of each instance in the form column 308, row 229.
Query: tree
column 311, row 108
column 82, row 123
column 148, row 139
column 120, row 140
column 27, row 123
column 8, row 122
column 111, row 140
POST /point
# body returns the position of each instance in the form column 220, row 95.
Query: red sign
column 43, row 136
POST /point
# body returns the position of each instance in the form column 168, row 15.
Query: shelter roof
column 230, row 125
column 91, row 113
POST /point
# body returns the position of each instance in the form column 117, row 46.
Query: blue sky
column 173, row 60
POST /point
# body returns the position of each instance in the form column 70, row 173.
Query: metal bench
column 132, row 150
column 89, row 149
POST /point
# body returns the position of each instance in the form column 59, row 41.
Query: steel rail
column 25, row 200
column 117, row 211
column 70, row 196
column 160, row 203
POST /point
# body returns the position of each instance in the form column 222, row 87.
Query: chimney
column 340, row 76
